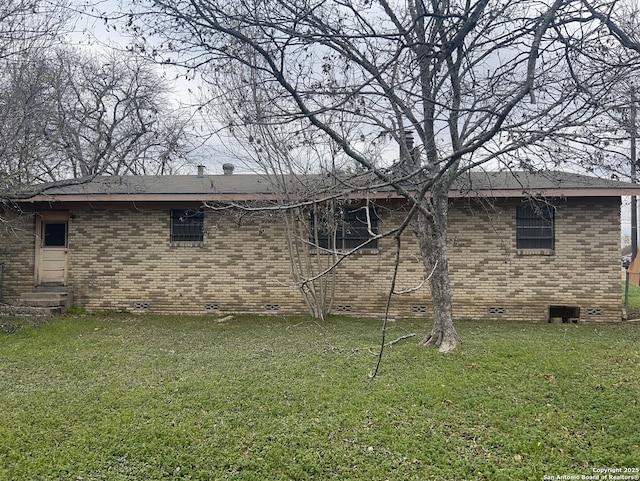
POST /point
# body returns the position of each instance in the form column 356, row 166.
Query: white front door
column 51, row 255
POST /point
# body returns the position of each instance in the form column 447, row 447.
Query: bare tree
column 29, row 24
column 115, row 117
column 26, row 26
column 291, row 158
column 619, row 17
column 70, row 115
column 478, row 83
column 617, row 133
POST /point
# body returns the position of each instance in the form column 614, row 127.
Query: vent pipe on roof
column 201, row 171
column 409, row 154
column 408, row 139
column 228, row 168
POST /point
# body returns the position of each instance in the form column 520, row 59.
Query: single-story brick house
column 151, row 243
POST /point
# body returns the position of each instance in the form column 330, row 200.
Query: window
column 535, row 227
column 187, row 225
column 348, row 227
column 55, row 234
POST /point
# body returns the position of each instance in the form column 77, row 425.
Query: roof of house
column 244, row 187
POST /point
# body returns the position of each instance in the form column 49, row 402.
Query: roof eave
column 270, row 197
column 576, row 192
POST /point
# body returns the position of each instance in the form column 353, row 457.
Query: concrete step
column 51, row 288
column 46, row 299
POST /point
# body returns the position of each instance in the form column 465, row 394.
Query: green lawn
column 633, row 311
column 146, row 398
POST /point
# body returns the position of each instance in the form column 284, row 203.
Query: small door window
column 55, row 234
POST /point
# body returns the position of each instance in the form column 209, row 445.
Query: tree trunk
column 432, row 238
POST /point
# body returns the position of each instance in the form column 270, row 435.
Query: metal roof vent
column 201, row 171
column 228, row 168
column 408, row 139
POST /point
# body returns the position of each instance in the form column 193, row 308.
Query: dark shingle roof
column 536, row 181
column 169, row 184
column 254, row 186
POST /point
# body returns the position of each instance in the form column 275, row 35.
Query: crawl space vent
column 496, row 310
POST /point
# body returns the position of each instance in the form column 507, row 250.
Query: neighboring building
column 154, row 244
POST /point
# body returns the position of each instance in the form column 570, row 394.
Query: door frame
column 43, row 218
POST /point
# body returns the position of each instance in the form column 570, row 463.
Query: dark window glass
column 535, row 226
column 55, row 234
column 325, row 222
column 187, row 225
column 347, row 229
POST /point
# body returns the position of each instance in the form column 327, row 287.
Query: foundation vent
column 496, row 311
column 594, row 311
column 420, row 309
column 211, row 306
column 343, row 308
column 141, row 306
column 272, row 307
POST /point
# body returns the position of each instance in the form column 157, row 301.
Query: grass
column 128, row 398
column 633, row 311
